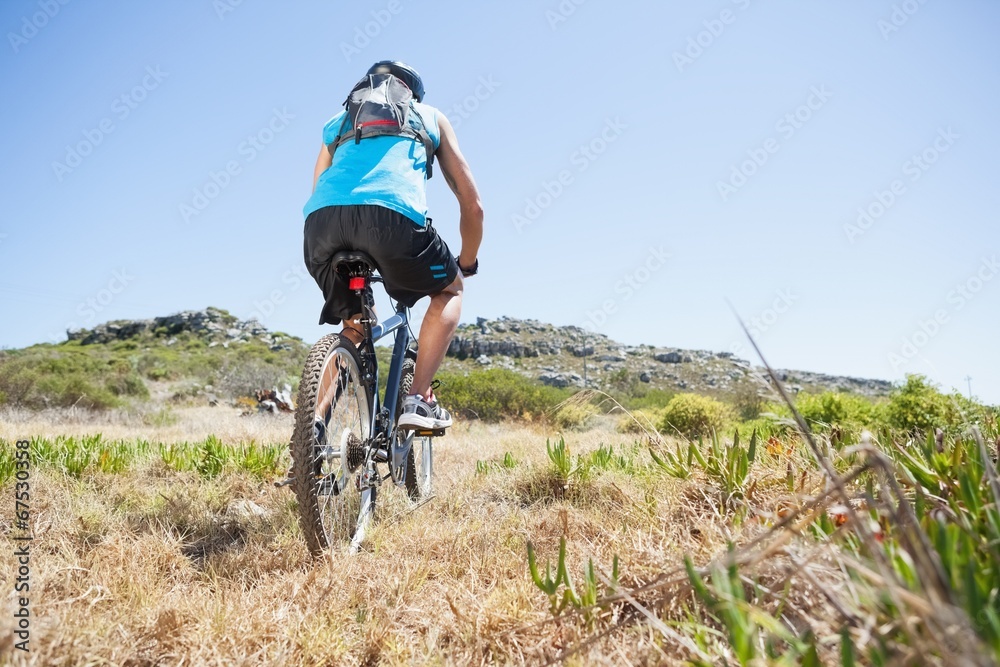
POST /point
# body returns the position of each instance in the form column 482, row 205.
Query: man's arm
column 323, row 163
column 456, row 171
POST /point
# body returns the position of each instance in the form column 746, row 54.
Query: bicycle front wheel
column 332, row 427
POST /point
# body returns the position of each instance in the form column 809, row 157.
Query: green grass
column 84, row 456
column 211, row 457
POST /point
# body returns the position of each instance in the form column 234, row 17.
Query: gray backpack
column 380, row 105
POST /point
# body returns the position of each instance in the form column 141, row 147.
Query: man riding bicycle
column 369, row 195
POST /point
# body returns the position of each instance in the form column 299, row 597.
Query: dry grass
column 159, row 567
column 184, row 424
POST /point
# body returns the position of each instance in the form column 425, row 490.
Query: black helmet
column 407, row 74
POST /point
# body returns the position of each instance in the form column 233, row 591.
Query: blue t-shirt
column 386, row 171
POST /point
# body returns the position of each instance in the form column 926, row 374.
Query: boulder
column 561, row 379
column 245, row 509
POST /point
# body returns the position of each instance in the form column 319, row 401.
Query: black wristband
column 471, row 271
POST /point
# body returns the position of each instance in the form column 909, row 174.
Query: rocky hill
column 193, row 356
column 215, row 326
column 567, row 356
column 574, row 357
column 212, row 355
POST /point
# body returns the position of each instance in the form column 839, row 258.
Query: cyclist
column 370, row 195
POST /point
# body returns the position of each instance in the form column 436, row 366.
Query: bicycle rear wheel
column 332, row 426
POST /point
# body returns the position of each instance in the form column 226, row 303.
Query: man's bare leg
column 436, row 332
column 353, row 332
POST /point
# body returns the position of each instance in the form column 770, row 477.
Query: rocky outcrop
column 674, row 357
column 474, row 347
column 561, row 379
column 836, row 382
column 573, row 357
column 213, row 324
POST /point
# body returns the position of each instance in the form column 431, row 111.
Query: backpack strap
column 335, row 144
column 426, row 140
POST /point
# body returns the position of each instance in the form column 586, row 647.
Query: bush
column 112, row 375
column 693, row 415
column 747, row 399
column 834, row 408
column 61, row 377
column 243, row 377
column 652, row 399
column 639, row 421
column 574, row 416
column 496, row 394
column 917, row 406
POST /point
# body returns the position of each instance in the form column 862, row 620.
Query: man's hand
column 459, row 177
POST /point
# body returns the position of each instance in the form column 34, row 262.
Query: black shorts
column 413, row 260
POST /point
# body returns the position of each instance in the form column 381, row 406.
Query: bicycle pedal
column 429, row 432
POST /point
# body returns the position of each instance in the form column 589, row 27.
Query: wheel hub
column 352, row 451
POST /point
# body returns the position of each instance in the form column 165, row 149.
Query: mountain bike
column 345, row 433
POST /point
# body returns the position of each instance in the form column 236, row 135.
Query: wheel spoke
column 332, row 427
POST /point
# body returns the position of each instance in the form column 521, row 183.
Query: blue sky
column 826, row 167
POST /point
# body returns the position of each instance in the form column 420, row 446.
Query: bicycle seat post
column 359, row 268
column 367, row 320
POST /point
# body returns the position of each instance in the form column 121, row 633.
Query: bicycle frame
column 397, row 323
column 355, row 466
column 383, row 410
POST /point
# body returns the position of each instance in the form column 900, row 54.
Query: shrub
column 693, row 415
column 496, row 394
column 622, row 382
column 61, row 377
column 124, row 380
column 108, row 375
column 971, row 412
column 919, row 406
column 834, row 408
column 574, row 416
column 747, row 399
column 243, row 377
column 652, row 399
column 639, row 421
